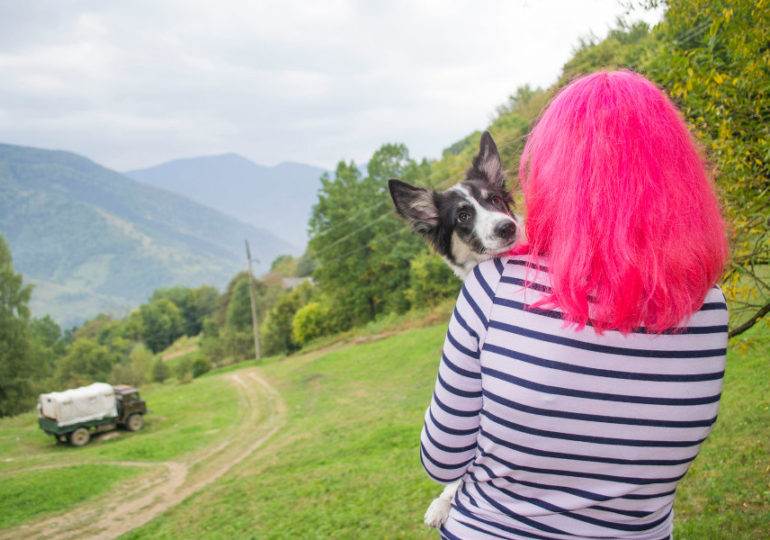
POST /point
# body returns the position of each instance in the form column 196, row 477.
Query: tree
column 362, row 250
column 162, row 324
column 239, row 309
column 140, row 362
column 184, row 299
column 712, row 55
column 430, row 281
column 278, row 330
column 16, row 367
column 206, row 303
column 50, row 343
column 86, row 362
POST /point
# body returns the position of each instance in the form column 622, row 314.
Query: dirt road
column 167, row 484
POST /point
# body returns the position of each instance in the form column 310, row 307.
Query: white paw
column 437, row 512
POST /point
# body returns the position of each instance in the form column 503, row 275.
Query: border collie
column 466, row 224
column 471, row 221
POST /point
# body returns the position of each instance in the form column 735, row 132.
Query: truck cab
column 131, row 407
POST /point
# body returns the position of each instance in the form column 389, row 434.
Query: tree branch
column 764, row 310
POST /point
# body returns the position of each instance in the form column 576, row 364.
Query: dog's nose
column 506, row 230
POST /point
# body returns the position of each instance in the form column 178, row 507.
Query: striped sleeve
column 449, row 435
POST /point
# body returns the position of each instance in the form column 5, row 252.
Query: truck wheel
column 134, row 422
column 80, row 437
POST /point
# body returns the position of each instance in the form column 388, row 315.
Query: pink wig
column 621, row 205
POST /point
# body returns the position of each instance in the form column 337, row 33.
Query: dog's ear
column 414, row 204
column 487, row 163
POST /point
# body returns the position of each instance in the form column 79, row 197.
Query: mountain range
column 93, row 240
column 279, row 198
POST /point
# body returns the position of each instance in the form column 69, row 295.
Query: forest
column 711, row 56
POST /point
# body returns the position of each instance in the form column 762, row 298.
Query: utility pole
column 254, row 320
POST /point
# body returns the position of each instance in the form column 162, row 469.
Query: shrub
column 430, row 281
column 160, row 371
column 200, row 365
column 183, row 368
column 309, row 322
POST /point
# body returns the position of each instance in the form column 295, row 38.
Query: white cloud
column 131, row 84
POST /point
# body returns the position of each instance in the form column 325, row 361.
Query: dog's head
column 469, row 222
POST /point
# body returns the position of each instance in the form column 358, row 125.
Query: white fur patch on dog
column 438, row 511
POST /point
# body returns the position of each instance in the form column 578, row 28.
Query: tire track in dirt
column 125, row 509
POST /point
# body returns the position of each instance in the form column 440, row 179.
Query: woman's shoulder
column 714, row 310
column 527, row 268
column 516, row 269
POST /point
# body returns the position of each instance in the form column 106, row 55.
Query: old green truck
column 73, row 415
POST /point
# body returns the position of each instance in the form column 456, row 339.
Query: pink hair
column 621, row 205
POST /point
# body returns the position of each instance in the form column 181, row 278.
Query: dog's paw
column 437, row 512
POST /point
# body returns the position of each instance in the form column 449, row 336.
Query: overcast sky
column 133, row 83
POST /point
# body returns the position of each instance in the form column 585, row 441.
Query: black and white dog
column 466, row 224
column 471, row 221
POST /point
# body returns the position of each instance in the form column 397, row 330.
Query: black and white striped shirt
column 558, row 433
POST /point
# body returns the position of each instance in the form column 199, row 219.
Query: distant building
column 292, row 282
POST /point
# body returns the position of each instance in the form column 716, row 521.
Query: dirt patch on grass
column 181, row 352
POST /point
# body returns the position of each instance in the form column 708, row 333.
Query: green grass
column 37, row 493
column 726, row 493
column 346, row 465
column 184, row 418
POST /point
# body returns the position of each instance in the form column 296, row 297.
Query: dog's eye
column 496, row 201
column 463, row 217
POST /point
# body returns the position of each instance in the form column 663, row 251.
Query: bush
column 277, row 330
column 309, row 322
column 200, row 365
column 183, row 368
column 141, row 363
column 160, row 371
column 430, row 281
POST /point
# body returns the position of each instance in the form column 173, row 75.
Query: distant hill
column 93, row 240
column 278, row 198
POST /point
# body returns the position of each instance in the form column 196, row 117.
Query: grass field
column 39, row 477
column 37, row 492
column 346, row 463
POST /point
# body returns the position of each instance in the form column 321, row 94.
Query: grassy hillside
column 42, row 478
column 93, row 239
column 346, row 465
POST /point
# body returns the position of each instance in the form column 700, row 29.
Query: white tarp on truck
column 93, row 402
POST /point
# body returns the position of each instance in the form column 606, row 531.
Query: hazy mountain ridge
column 278, row 198
column 91, row 237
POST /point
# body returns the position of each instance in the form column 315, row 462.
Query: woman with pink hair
column 580, row 375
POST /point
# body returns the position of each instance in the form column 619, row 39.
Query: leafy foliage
column 362, row 250
column 713, row 56
column 278, row 329
column 16, row 367
column 430, row 281
column 309, row 322
column 162, row 323
column 87, row 361
column 200, row 365
column 160, row 371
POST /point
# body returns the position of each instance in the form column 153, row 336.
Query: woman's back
column 566, row 433
column 572, row 422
